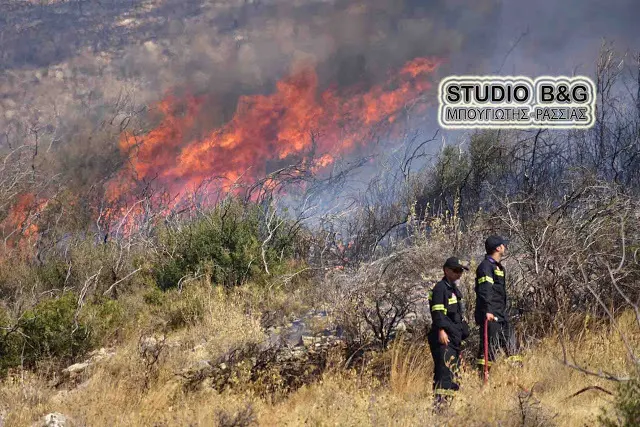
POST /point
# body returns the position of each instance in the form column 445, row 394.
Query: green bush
column 177, row 309
column 51, row 274
column 9, row 343
column 50, row 331
column 104, row 318
column 154, row 297
column 224, row 244
column 626, row 411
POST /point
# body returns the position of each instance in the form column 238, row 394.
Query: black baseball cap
column 493, row 242
column 455, row 264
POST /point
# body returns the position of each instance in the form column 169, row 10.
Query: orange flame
column 295, row 120
column 292, row 121
column 20, row 225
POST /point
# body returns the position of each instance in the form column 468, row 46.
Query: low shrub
column 184, row 309
column 626, row 410
column 51, row 330
column 9, row 343
column 224, row 245
column 105, row 319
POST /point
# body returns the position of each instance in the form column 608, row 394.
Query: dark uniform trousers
column 491, row 297
column 446, row 311
column 446, row 363
column 501, row 338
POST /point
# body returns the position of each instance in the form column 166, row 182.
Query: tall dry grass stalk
column 411, row 369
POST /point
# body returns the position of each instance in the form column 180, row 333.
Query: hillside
column 234, row 213
column 187, row 376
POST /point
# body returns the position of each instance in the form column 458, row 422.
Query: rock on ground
column 54, row 419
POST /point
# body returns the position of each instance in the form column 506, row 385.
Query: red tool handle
column 486, row 350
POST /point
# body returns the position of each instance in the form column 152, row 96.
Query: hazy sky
column 562, row 35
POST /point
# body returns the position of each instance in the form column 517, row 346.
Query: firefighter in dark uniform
column 491, row 304
column 448, row 329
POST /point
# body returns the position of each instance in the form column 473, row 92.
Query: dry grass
column 126, row 391
column 410, row 370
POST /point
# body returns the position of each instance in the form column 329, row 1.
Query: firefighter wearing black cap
column 491, row 304
column 448, row 329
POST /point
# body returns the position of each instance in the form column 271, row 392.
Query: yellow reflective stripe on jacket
column 444, row 392
column 439, row 307
column 485, row 279
column 498, row 272
column 481, row 362
column 453, row 300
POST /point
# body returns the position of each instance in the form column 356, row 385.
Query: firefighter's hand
column 491, row 317
column 443, row 337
